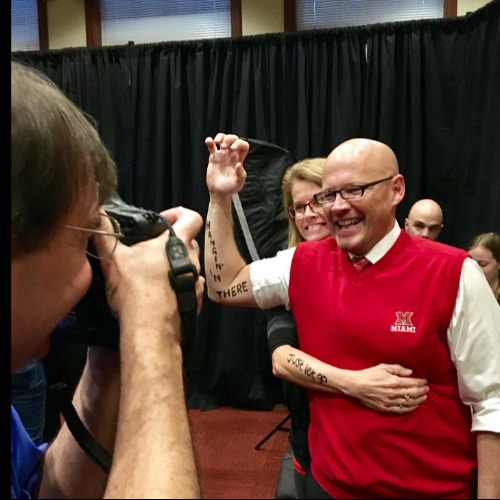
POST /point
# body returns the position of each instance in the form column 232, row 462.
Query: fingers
column 212, row 148
column 200, row 287
column 399, row 370
column 226, row 141
column 398, row 400
column 418, row 391
column 411, row 399
column 187, row 223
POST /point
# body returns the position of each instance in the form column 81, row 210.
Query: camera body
column 93, row 323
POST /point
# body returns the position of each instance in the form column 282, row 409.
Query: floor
column 225, row 441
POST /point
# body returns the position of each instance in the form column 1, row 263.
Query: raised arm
column 227, row 274
column 386, row 388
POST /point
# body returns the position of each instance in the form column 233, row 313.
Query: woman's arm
column 383, row 387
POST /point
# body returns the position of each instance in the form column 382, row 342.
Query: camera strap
column 183, row 276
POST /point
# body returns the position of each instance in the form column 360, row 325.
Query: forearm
column 488, row 451
column 293, row 365
column 227, row 274
column 153, row 455
column 382, row 387
column 68, row 472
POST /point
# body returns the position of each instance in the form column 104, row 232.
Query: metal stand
column 279, row 427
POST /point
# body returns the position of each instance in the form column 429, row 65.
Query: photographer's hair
column 309, row 169
column 56, row 156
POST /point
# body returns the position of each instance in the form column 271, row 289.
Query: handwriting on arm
column 307, row 369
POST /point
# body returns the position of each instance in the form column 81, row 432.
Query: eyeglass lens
column 111, row 238
column 300, row 209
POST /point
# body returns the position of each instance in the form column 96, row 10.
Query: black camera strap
column 82, row 436
column 183, row 276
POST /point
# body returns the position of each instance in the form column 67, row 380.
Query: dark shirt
column 281, row 330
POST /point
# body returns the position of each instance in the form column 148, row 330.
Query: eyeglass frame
column 118, row 234
column 362, row 187
column 292, row 209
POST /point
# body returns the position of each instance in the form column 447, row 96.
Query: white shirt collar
column 384, row 245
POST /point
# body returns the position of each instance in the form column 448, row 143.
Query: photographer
column 132, row 400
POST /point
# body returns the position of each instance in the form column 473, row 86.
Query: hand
column 225, row 172
column 136, row 276
column 389, row 388
column 182, row 220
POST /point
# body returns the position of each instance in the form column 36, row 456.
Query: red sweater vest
column 395, row 311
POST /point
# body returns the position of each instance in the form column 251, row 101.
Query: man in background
column 425, row 219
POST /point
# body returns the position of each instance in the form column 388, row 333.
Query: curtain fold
column 97, row 80
column 430, row 89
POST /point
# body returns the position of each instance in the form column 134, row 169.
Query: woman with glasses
column 373, row 387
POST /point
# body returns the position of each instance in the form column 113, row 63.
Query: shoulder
column 435, row 250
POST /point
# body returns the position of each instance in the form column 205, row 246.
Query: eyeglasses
column 299, row 210
column 116, row 235
column 347, row 193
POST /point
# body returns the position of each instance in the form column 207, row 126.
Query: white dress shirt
column 473, row 334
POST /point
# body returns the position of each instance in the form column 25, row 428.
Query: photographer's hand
column 183, row 221
column 133, row 272
column 153, row 434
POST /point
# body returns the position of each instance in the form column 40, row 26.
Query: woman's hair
column 490, row 241
column 56, row 157
column 309, row 169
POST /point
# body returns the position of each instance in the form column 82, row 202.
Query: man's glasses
column 115, row 235
column 347, row 193
column 299, row 210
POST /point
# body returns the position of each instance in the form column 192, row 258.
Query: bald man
column 368, row 294
column 425, row 219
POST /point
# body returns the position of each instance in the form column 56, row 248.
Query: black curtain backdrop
column 430, row 89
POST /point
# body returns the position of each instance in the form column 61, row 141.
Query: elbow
column 278, row 370
column 212, row 294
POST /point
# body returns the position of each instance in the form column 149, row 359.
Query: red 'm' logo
column 403, row 318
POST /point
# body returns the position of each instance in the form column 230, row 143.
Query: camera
column 92, row 322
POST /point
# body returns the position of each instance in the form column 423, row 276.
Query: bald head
column 425, row 219
column 376, row 158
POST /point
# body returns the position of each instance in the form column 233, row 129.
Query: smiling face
column 358, row 224
column 311, row 225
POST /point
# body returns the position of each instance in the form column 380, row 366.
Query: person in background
column 374, row 387
column 369, row 293
column 27, row 395
column 61, row 174
column 485, row 250
column 425, row 219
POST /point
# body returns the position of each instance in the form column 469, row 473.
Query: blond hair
column 309, row 169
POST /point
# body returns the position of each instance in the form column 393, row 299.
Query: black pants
column 313, row 490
